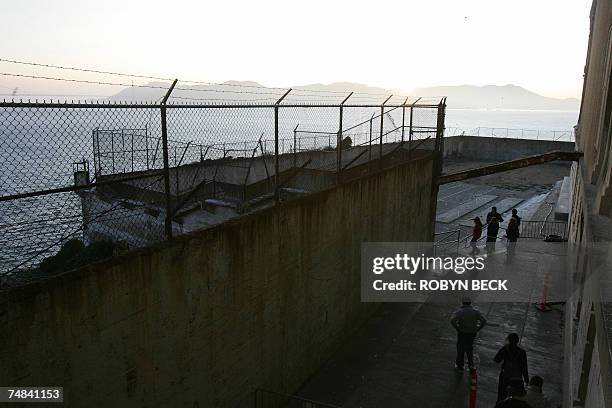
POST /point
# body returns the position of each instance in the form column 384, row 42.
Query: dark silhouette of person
column 535, row 397
column 514, row 364
column 516, row 395
column 516, row 216
column 467, row 321
column 512, row 232
column 493, row 220
column 476, row 234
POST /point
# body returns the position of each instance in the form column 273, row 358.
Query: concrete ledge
column 498, row 148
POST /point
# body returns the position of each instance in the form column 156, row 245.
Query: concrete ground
column 531, row 188
column 404, row 355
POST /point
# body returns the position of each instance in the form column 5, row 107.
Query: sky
column 538, row 44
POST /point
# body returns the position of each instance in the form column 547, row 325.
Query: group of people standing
column 494, row 219
column 513, row 376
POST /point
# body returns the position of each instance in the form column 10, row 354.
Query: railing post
column 339, row 142
column 276, row 152
column 164, row 131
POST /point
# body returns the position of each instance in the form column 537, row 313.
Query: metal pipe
column 294, row 144
column 382, row 112
column 276, row 153
column 403, row 118
column 147, row 145
column 78, row 188
column 164, row 131
column 339, row 141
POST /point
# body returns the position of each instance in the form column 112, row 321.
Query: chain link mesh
column 80, row 182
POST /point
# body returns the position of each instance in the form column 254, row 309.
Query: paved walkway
column 403, row 356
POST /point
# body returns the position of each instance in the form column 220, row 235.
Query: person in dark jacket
column 467, row 321
column 516, row 217
column 512, row 233
column 476, row 234
column 493, row 220
column 514, row 364
column 535, row 397
column 516, row 396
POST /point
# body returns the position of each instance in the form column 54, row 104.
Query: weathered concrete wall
column 499, row 149
column 593, row 131
column 260, row 301
column 589, row 311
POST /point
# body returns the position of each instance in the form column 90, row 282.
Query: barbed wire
column 37, row 64
column 81, row 81
column 96, row 71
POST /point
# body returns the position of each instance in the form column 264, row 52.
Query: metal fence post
column 370, row 145
column 147, row 145
column 93, row 139
column 295, row 144
column 339, row 142
column 403, row 118
column 276, row 152
column 132, row 152
column 164, row 131
column 410, row 132
column 380, row 148
column 440, row 135
column 112, row 151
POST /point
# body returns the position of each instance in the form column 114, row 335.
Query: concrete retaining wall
column 261, row 301
column 497, row 148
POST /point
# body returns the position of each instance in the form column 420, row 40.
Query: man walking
column 493, row 220
column 467, row 321
column 516, row 217
column 514, row 364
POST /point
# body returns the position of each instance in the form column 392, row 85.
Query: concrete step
column 504, row 206
column 465, row 208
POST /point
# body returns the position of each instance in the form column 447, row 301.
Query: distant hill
column 497, row 97
column 463, row 96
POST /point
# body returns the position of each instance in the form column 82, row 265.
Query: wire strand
column 123, row 74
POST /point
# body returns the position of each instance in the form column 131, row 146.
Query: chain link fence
column 80, row 182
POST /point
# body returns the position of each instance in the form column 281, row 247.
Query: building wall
column 593, row 133
column 260, row 301
column 587, row 313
